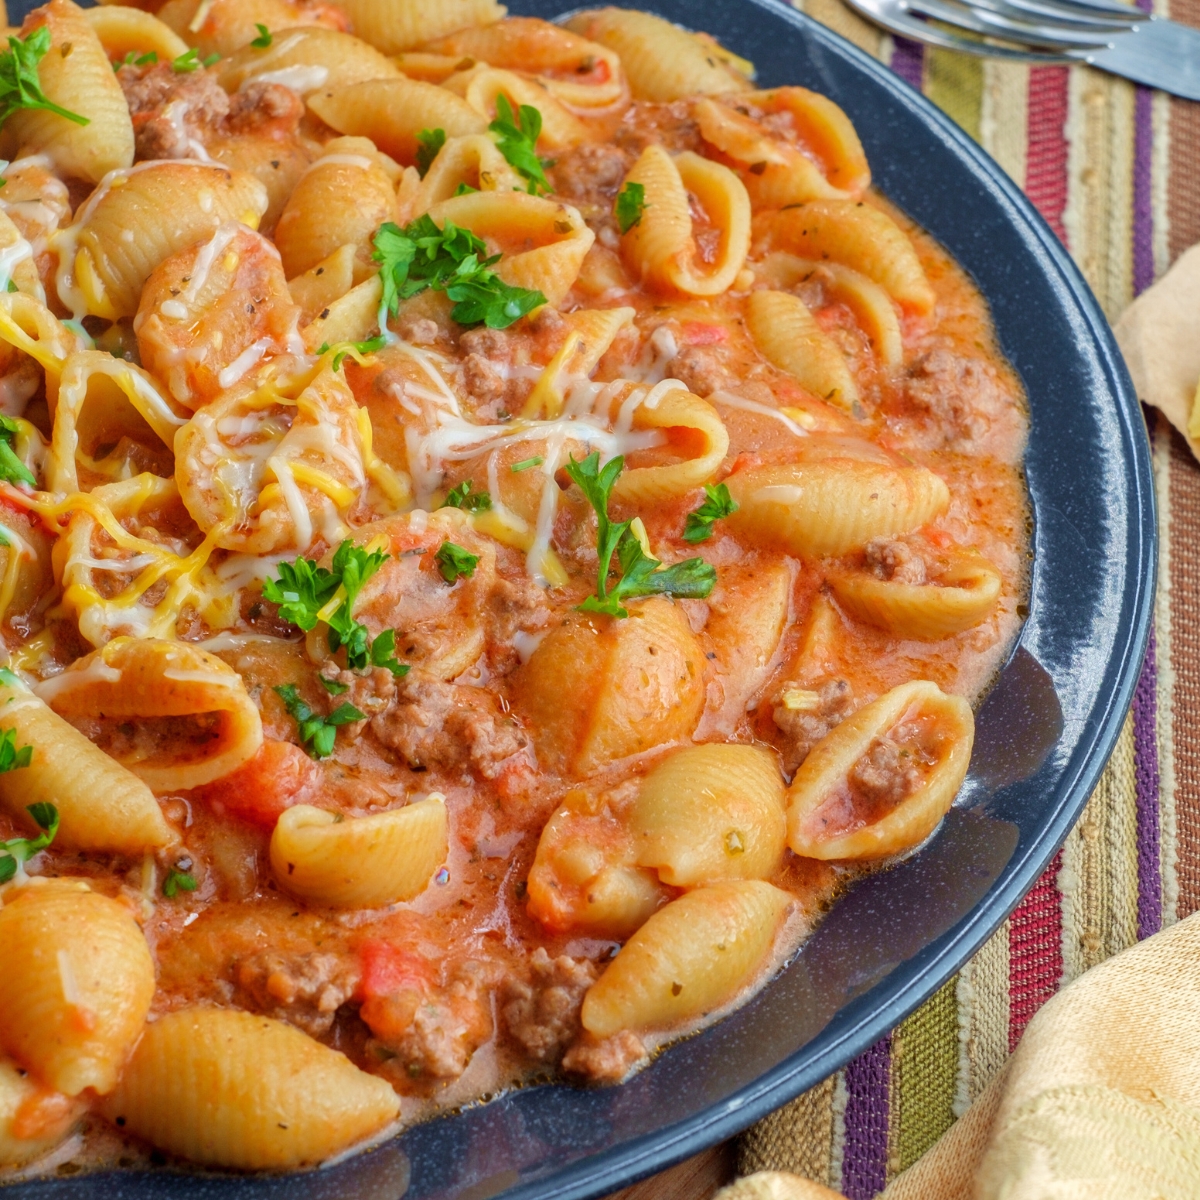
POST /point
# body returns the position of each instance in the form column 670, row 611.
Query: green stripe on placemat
column 924, row 1077
column 954, row 82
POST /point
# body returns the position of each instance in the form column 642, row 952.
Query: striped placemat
column 1115, row 170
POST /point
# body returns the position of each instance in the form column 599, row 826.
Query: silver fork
column 1106, row 34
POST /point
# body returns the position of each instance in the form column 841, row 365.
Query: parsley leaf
column 640, row 575
column 317, row 734
column 20, row 86
column 332, row 686
column 517, row 140
column 12, row 469
column 134, row 59
column 191, row 61
column 301, row 591
column 631, row 202
column 45, row 816
column 353, row 566
column 453, row 561
column 383, row 654
column 429, row 143
column 464, row 189
column 454, row 261
column 178, row 881
column 462, row 497
column 264, row 38
column 698, row 527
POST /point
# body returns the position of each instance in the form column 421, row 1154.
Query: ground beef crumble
column 803, row 728
column 306, row 990
column 542, row 1014
column 895, row 560
column 606, row 1060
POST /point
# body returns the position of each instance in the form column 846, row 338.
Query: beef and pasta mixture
column 499, row 524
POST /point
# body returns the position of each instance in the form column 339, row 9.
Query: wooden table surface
column 693, row 1179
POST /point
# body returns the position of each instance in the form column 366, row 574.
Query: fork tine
column 889, row 14
column 1059, row 14
column 991, row 24
column 1099, row 8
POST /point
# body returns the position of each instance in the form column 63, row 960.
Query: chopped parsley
column 455, row 562
column 333, row 686
column 526, row 463
column 462, row 497
column 631, row 203
column 699, row 524
column 429, row 145
column 134, row 59
column 317, row 734
column 20, row 86
column 12, row 469
column 264, row 38
column 451, row 260
column 191, row 61
column 640, row 574
column 517, row 135
column 304, row 592
column 18, row 851
column 464, row 189
column 178, row 880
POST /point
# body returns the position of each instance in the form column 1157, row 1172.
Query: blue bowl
column 1044, row 732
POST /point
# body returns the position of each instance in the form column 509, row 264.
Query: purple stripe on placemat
column 865, row 1157
column 1143, row 212
column 908, row 61
column 1145, row 766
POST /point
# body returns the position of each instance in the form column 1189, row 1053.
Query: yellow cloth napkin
column 1100, row 1101
column 1159, row 335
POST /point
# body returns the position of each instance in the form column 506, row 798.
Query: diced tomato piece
column 700, row 333
column 388, row 968
column 259, row 790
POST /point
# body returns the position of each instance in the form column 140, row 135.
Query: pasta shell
column 229, row 1089
column 880, row 782
column 584, row 876
column 391, row 112
column 225, row 26
column 474, row 161
column 824, row 129
column 101, row 805
column 76, row 75
column 711, row 813
column 775, row 173
column 395, row 25
column 225, row 466
column 364, row 862
column 699, row 422
column 78, row 983
column 661, row 61
column 584, row 75
column 481, row 86
column 124, row 30
column 166, row 206
column 691, row 957
column 32, row 1118
column 343, row 197
column 598, row 689
column 788, row 336
column 106, row 402
column 31, row 328
column 321, row 285
column 662, row 246
column 859, row 236
column 833, row 505
column 873, row 308
column 306, row 60
column 147, row 680
column 543, row 242
column 960, row 598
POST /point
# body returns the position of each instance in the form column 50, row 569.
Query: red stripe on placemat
column 1034, row 951
column 1046, row 154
